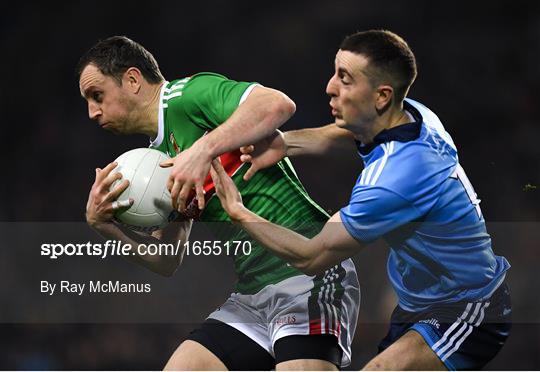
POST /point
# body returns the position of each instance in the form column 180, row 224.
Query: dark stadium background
column 478, row 70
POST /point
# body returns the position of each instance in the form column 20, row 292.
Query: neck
column 148, row 115
column 391, row 118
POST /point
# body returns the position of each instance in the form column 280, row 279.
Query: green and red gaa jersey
column 191, row 107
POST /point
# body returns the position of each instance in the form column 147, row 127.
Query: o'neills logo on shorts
column 288, row 319
column 432, row 321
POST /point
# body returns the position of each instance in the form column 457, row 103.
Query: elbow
column 288, row 106
column 312, row 271
column 308, row 267
column 283, row 107
column 167, row 269
column 167, row 272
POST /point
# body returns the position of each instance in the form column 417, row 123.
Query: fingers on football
column 120, row 205
column 167, row 163
column 115, row 193
column 123, row 204
column 110, row 179
column 101, row 174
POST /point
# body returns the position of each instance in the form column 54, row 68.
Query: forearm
column 312, row 256
column 284, row 243
column 318, row 141
column 259, row 116
column 163, row 264
column 329, row 247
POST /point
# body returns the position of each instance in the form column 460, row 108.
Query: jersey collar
column 156, row 142
column 402, row 133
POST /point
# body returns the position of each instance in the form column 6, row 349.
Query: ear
column 132, row 79
column 384, row 97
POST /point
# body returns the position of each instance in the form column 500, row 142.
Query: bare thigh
column 306, row 365
column 192, row 356
column 410, row 352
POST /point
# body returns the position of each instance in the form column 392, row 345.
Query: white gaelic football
column 152, row 208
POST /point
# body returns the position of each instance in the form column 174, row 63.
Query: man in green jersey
column 277, row 317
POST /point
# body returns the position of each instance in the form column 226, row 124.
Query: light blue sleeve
column 375, row 211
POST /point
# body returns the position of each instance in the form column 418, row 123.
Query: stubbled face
column 109, row 103
column 352, row 97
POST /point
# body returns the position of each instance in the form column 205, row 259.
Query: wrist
column 97, row 225
column 286, row 139
column 241, row 215
column 206, row 149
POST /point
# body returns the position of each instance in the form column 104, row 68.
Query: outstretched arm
column 100, row 213
column 318, row 141
column 311, row 256
column 257, row 117
column 310, row 141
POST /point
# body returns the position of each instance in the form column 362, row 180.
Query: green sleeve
column 210, row 99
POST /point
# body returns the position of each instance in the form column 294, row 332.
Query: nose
column 331, row 87
column 93, row 111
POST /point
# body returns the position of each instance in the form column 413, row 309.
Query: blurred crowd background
column 478, row 70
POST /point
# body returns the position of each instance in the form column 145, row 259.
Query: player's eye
column 97, row 96
column 345, row 80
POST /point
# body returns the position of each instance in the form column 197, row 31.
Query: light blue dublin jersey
column 414, row 194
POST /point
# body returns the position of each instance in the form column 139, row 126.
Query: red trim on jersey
column 315, row 326
column 231, row 162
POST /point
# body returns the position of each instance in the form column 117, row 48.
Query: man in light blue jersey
column 454, row 307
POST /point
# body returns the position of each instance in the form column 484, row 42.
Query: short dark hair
column 390, row 60
column 114, row 55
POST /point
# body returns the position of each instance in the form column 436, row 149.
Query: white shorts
column 301, row 305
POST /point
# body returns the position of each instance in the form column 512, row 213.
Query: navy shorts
column 464, row 335
column 240, row 353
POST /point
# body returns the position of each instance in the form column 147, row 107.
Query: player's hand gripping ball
column 152, row 208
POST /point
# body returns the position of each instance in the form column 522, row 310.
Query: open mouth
column 335, row 112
